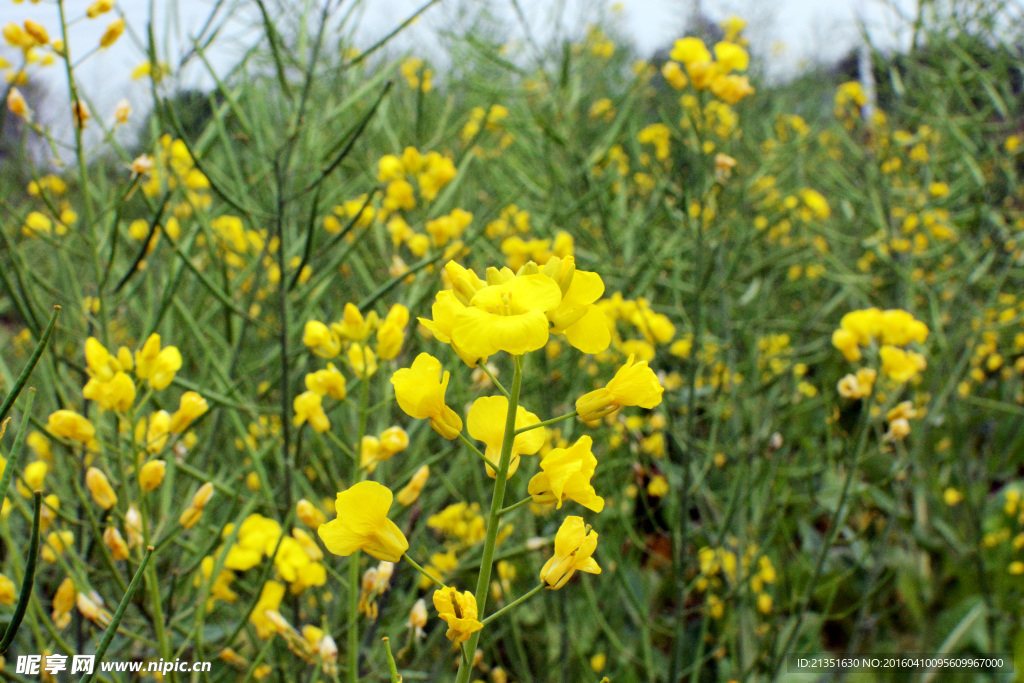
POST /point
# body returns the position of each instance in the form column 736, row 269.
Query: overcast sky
column 791, row 32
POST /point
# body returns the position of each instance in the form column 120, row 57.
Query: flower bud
column 99, row 487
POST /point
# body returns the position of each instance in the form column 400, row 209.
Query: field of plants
column 552, row 362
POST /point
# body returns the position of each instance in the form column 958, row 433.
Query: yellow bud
column 100, row 488
column 152, row 474
column 115, row 541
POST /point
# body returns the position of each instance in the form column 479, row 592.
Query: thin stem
column 487, row 371
column 436, row 581
column 483, row 581
column 353, row 560
column 545, row 423
column 476, row 450
column 515, row 506
column 515, row 603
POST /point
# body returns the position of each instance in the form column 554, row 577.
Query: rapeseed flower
column 575, row 543
column 508, row 316
column 70, row 425
column 635, row 384
column 459, row 610
column 420, row 392
column 362, row 524
column 156, row 364
column 565, row 475
column 486, row 422
column 99, row 487
column 308, row 408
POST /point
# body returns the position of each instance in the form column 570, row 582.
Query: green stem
column 108, row 636
column 392, row 667
column 436, row 581
column 515, row 603
column 23, row 377
column 515, row 506
column 472, row 447
column 352, row 656
column 483, row 581
column 497, row 384
column 545, row 423
column 28, row 580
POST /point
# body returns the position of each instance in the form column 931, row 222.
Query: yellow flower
column 657, row 486
column 732, row 88
column 690, row 50
column 900, row 365
column 35, row 475
column 321, row 339
column 118, row 394
column 99, row 7
column 362, row 360
column 152, row 474
column 952, row 497
column 353, row 326
column 575, row 543
column 408, row 495
column 100, row 488
column 310, row 514
column 190, row 407
column 486, row 422
column 155, row 364
column 269, row 601
column 328, row 382
column 509, row 316
column 674, row 75
column 420, row 393
column 70, row 425
column 113, row 32
column 192, row 514
column 91, row 607
column 16, row 103
column 7, row 590
column 257, row 536
column 308, row 408
column 731, row 56
column 635, row 384
column 565, row 475
column 459, row 611
column 392, row 440
column 362, row 524
column 391, row 335
column 577, row 316
column 113, row 539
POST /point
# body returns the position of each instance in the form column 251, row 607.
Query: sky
column 793, row 33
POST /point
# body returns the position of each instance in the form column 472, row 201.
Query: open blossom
column 308, row 408
column 420, row 393
column 576, row 315
column 635, row 384
column 109, row 383
column 156, row 364
column 900, row 365
column 486, row 422
column 459, row 611
column 565, row 475
column 191, row 407
column 509, row 316
column 363, row 524
column 321, row 340
column 575, row 543
column 858, row 385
